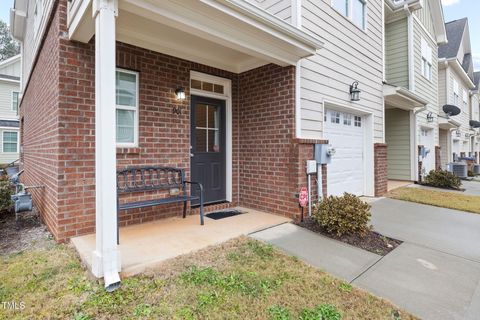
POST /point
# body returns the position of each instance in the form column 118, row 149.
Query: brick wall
column 39, row 128
column 438, row 158
column 381, row 172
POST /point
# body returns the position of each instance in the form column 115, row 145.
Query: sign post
column 303, row 198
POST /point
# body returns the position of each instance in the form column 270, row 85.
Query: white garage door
column 345, row 132
column 426, row 140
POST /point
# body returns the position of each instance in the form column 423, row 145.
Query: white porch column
column 106, row 259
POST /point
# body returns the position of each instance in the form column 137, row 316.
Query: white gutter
column 459, row 69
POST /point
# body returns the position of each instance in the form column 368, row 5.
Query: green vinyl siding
column 425, row 17
column 397, row 137
column 396, row 53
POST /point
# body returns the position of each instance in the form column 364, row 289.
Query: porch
column 234, row 66
column 144, row 246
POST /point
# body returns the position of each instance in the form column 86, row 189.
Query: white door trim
column 227, row 97
column 369, row 163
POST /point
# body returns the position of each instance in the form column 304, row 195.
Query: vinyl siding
column 11, row 69
column 349, row 54
column 423, row 87
column 424, row 15
column 396, row 53
column 280, row 8
column 6, row 89
column 464, row 116
column 444, row 154
column 397, row 137
column 442, row 89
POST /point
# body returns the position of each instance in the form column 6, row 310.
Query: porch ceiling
column 401, row 98
column 447, row 124
column 227, row 34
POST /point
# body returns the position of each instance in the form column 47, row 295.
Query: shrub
column 443, row 179
column 471, row 173
column 343, row 215
column 5, row 195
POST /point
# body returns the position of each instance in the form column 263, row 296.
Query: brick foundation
column 438, row 158
column 381, row 172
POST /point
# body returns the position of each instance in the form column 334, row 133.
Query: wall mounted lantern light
column 458, row 133
column 354, row 92
column 430, row 117
column 180, row 93
column 180, row 96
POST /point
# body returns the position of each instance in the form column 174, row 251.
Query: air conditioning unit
column 476, row 168
column 459, row 169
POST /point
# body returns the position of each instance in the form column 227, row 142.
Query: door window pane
column 126, row 89
column 201, row 140
column 10, row 141
column 201, row 116
column 207, row 128
column 213, row 140
column 125, row 126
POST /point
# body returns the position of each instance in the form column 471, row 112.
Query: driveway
column 434, row 274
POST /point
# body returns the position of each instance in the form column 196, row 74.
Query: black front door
column 207, row 158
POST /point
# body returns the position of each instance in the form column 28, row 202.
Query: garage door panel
column 345, row 132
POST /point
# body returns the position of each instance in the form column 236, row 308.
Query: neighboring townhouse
column 413, row 32
column 9, row 101
column 455, row 84
column 475, row 116
column 236, row 93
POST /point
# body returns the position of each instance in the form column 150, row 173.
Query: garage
column 346, row 133
column 427, row 140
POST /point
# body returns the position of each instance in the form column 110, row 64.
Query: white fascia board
column 439, row 22
column 11, row 60
column 459, row 69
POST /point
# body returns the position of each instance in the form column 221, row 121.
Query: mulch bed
column 373, row 241
column 26, row 233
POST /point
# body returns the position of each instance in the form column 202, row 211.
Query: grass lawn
column 240, row 279
column 451, row 200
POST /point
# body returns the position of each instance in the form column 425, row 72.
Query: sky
column 452, row 9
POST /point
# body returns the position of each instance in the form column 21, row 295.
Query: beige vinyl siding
column 442, row 89
column 425, row 17
column 396, row 53
column 425, row 88
column 464, row 116
column 444, row 154
column 8, row 157
column 279, row 8
column 349, row 54
column 6, row 89
column 397, row 137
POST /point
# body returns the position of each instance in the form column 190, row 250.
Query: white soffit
column 229, row 34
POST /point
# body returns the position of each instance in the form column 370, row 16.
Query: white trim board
column 227, row 97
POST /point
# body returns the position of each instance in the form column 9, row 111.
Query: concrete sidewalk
column 434, row 274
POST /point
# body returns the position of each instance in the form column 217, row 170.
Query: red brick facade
column 381, row 172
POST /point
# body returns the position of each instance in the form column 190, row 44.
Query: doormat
column 217, row 215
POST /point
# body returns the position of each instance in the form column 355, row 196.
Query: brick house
column 99, row 89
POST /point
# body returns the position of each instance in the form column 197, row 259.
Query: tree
column 8, row 46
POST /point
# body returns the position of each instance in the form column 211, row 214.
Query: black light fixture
column 180, row 93
column 430, row 117
column 354, row 92
column 458, row 133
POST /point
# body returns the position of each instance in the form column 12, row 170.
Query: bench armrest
column 197, row 183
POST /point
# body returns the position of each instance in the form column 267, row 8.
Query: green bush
column 443, row 179
column 343, row 215
column 5, row 195
column 471, row 173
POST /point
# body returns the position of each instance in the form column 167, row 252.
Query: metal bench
column 154, row 178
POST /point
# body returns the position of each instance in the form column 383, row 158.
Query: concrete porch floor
column 146, row 245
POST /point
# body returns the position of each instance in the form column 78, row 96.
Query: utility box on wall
column 324, row 153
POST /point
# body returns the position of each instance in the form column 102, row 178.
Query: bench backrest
column 144, row 178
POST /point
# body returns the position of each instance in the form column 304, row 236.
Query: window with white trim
column 335, row 117
column 347, row 119
column 465, row 101
column 15, row 101
column 127, row 108
column 358, row 121
column 426, row 60
column 10, row 141
column 456, row 93
column 355, row 10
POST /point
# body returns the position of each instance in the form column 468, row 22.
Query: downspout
column 415, row 142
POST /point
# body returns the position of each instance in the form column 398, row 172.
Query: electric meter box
column 311, row 166
column 323, row 153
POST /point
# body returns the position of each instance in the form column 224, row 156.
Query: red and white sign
column 303, row 197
